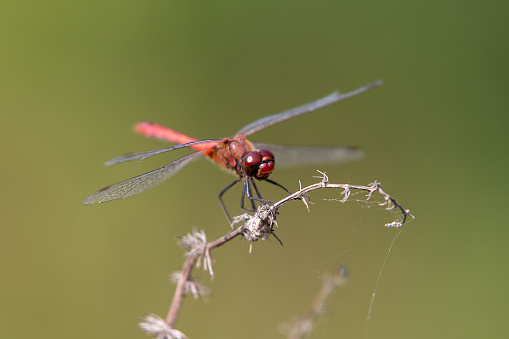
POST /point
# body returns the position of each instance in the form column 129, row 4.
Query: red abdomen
column 228, row 153
column 151, row 130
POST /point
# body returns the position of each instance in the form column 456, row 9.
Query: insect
column 247, row 160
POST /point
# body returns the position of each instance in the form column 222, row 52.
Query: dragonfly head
column 259, row 164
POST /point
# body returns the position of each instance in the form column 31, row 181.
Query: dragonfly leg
column 221, row 199
column 250, row 193
column 278, row 185
column 256, row 189
column 275, row 236
column 246, row 189
column 248, row 182
column 248, row 185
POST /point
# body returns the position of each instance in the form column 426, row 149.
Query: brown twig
column 254, row 227
column 196, row 253
column 301, row 326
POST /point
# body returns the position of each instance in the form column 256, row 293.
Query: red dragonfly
column 247, row 160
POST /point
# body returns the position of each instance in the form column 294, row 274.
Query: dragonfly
column 247, row 160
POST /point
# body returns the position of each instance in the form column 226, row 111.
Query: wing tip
column 110, row 162
column 91, row 200
column 98, row 197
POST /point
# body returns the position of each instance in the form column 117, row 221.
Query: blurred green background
column 75, row 76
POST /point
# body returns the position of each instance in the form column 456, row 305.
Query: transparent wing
column 145, row 154
column 309, row 107
column 140, row 183
column 298, row 156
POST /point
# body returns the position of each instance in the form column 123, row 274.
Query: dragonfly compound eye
column 259, row 164
column 267, row 155
column 252, row 162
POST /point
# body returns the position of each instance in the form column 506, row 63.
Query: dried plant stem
column 254, row 227
column 390, row 202
column 301, row 326
column 180, row 292
column 185, row 275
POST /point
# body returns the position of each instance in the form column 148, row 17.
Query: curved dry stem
column 376, row 186
column 253, row 228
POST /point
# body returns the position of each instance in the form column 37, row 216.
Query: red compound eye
column 259, row 164
column 251, row 163
column 265, row 170
column 267, row 155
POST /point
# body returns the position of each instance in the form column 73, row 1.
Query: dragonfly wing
column 309, row 107
column 145, row 154
column 298, row 156
column 141, row 182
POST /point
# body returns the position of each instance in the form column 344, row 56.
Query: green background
column 75, row 76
